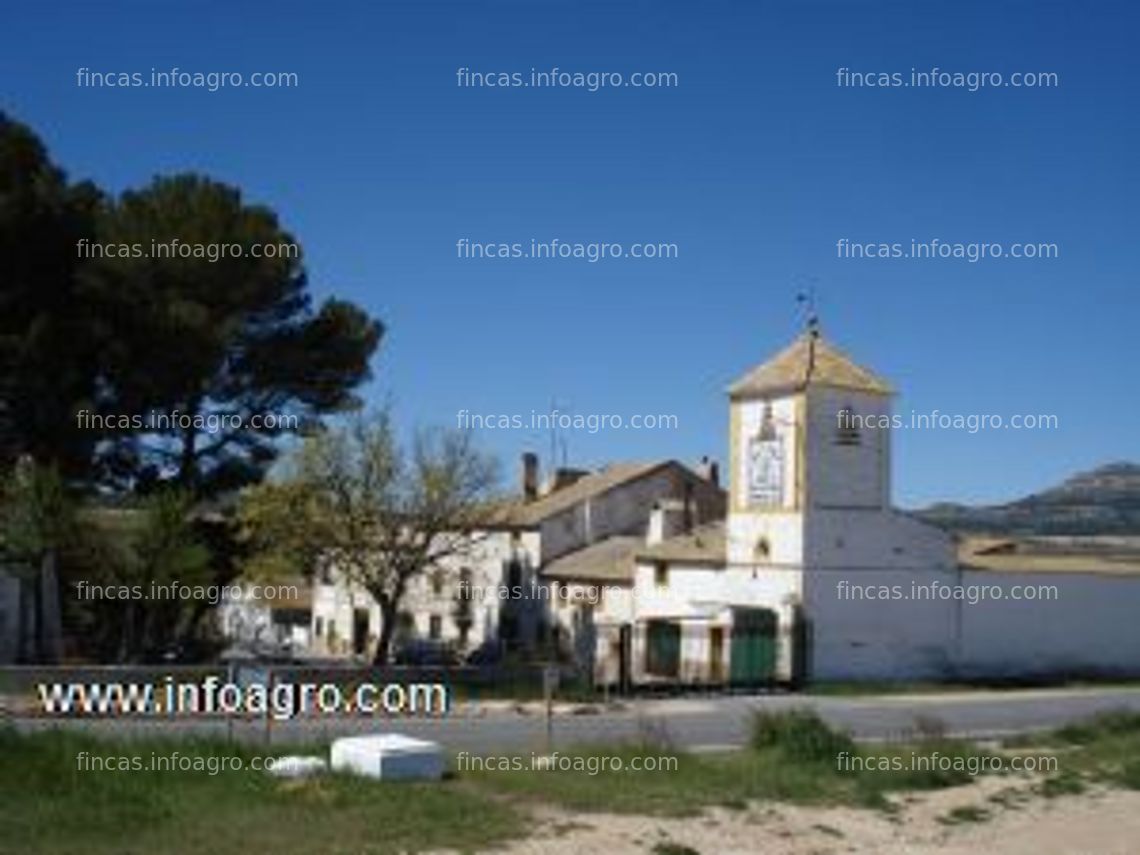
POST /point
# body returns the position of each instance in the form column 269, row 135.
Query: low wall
column 1090, row 627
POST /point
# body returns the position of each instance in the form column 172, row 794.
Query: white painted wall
column 699, row 591
column 860, row 632
column 1092, row 626
column 487, row 560
column 624, row 509
column 847, row 476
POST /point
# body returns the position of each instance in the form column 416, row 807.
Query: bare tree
column 378, row 515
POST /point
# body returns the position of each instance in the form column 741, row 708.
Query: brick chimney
column 529, row 476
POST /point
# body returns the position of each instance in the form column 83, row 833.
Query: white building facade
column 494, row 596
column 815, row 576
column 803, row 571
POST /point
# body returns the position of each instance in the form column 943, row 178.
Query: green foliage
column 49, row 344
column 378, row 514
column 801, row 735
column 1129, row 775
column 139, row 551
column 1108, row 724
column 1103, row 749
column 1064, row 784
column 235, row 336
column 187, row 812
column 149, row 349
column 37, row 516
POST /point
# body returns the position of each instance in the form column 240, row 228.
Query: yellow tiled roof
column 703, row 545
column 610, row 559
column 524, row 513
column 809, row 360
column 1014, row 554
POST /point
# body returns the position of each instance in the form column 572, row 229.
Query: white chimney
column 666, row 520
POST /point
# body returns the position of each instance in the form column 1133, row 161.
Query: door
column 359, row 631
column 716, row 654
column 753, row 646
column 663, row 648
column 625, row 641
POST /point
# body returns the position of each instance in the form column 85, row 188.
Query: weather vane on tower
column 806, row 301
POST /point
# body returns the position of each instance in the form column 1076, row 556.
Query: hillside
column 1105, row 500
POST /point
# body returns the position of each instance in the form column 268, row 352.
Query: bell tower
column 809, row 434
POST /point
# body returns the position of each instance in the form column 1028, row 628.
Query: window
column 514, row 578
column 435, row 627
column 846, row 426
column 320, row 627
column 763, row 549
column 661, row 574
column 437, row 583
column 405, row 626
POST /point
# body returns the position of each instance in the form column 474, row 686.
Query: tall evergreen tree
column 145, row 340
column 49, row 347
column 213, row 331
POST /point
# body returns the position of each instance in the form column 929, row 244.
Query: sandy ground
column 1017, row 822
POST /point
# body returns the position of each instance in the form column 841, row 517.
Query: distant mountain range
column 1103, row 501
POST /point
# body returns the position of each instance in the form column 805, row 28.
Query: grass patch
column 51, row 806
column 800, row 735
column 1104, row 749
column 1108, row 725
column 1062, row 784
column 794, row 757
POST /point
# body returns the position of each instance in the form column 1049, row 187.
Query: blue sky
column 754, row 166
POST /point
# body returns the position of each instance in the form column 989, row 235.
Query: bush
column 1130, row 774
column 801, row 735
column 1107, row 724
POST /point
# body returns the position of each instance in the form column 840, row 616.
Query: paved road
column 692, row 723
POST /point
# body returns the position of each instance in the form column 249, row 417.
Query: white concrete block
column 388, row 756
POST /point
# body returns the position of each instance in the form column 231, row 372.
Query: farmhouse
column 803, row 570
column 789, row 585
column 494, row 594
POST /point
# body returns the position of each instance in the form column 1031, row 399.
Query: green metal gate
column 753, row 646
column 663, row 648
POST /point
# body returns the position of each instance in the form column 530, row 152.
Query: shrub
column 801, row 735
column 1113, row 723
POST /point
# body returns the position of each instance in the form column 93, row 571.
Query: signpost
column 550, row 679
